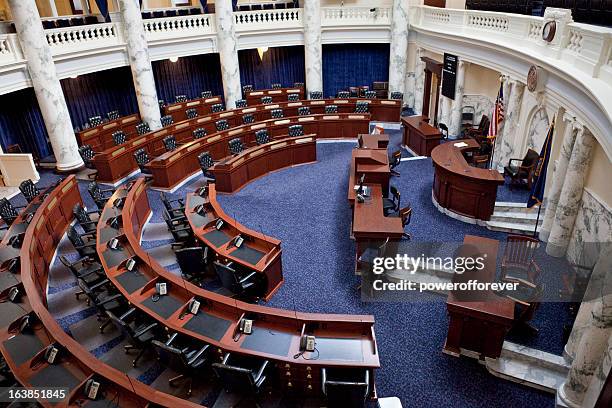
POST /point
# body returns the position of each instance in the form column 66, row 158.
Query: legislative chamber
column 305, row 203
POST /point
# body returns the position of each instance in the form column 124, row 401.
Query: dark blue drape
column 188, row 76
column 283, row 65
column 346, row 65
column 21, row 122
column 204, row 5
column 103, row 7
column 99, row 93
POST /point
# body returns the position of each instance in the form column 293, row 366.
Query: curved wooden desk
column 342, row 340
column 24, row 352
column 460, row 188
column 232, row 174
column 99, row 137
column 278, row 95
column 171, row 168
column 202, row 106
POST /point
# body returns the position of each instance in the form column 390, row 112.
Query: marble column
column 454, row 127
column 313, row 53
column 594, row 341
column 445, row 109
column 228, row 52
column 398, row 51
column 571, row 195
column 140, row 63
column 599, row 378
column 558, row 175
column 507, row 142
column 46, row 84
column 419, row 82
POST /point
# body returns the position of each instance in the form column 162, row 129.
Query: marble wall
column 409, row 93
column 538, row 128
column 482, row 104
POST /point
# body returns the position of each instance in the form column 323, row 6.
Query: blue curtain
column 188, row 76
column 21, row 122
column 284, row 65
column 346, row 65
column 204, row 5
column 234, row 5
column 103, row 7
column 99, row 93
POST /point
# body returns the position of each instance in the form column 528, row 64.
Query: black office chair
column 394, row 161
column 246, row 89
column 266, row 100
column 222, row 124
column 343, row 94
column 523, row 174
column 170, row 13
column 293, row 97
column 248, row 118
column 7, row 211
column 298, row 85
column 362, row 107
column 236, row 146
column 345, row 387
column 406, row 215
column 167, row 120
column 262, row 136
column 87, row 154
column 119, row 137
column 206, row 162
column 331, row 108
column 296, row 130
column 180, row 98
column 95, row 121
column 84, row 219
column 303, row 110
column 85, row 244
column 29, row 190
column 142, row 128
column 443, row 129
column 392, row 205
column 276, row 86
column 179, row 228
column 158, row 14
column 98, row 195
column 105, row 298
column 87, row 269
column 244, row 285
column 113, row 115
column 191, row 113
column 276, row 113
column 206, row 94
column 370, row 95
column 142, row 159
column 217, row 107
column 241, row 374
column 241, row 103
column 140, row 334
column 199, row 133
column 189, row 361
column 169, row 143
column 396, row 95
column 193, row 262
column 316, row 95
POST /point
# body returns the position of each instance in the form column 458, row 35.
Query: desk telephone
column 115, row 222
column 161, row 288
column 238, row 241
column 307, row 343
column 193, row 306
column 219, row 224
column 91, row 388
column 13, row 295
column 130, row 264
column 51, row 353
column 114, row 244
column 16, row 240
column 246, row 326
column 200, row 209
column 118, row 203
column 203, row 191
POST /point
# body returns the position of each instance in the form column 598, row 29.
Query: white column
column 140, row 63
column 569, row 137
column 398, row 51
column 53, row 8
column 228, row 52
column 46, row 84
column 594, row 342
column 599, row 378
column 445, row 109
column 454, row 127
column 571, row 195
column 506, row 143
column 313, row 54
column 419, row 82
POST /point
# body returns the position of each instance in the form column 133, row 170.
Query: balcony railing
column 351, row 16
column 268, row 19
column 182, row 26
column 87, row 36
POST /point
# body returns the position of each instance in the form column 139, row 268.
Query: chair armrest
column 127, row 314
column 261, row 370
column 197, row 355
column 248, row 277
column 93, row 212
column 110, row 299
column 525, row 283
column 87, row 223
column 96, row 271
column 522, row 302
column 185, row 228
column 171, row 339
column 99, row 284
column 86, row 245
column 145, row 329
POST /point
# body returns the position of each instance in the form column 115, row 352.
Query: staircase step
column 517, row 217
column 511, row 227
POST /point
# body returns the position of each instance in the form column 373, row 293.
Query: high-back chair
column 119, row 137
column 222, row 124
column 262, row 136
column 95, row 121
column 293, row 97
column 87, row 154
column 236, row 146
column 266, row 99
column 206, row 162
column 85, row 244
column 392, row 205
column 316, row 95
column 343, row 94
column 84, row 219
column 248, row 118
column 167, row 120
column 142, row 159
column 345, row 387
column 331, row 108
column 241, row 103
column 242, row 375
column 522, row 174
column 217, row 107
column 394, row 161
column 169, row 143
column 244, row 285
column 276, row 86
column 296, row 130
column 192, row 261
column 298, row 85
column 113, row 115
column 7, row 212
column 370, row 94
column 246, row 89
column 303, row 110
column 139, row 334
column 199, row 133
column 180, row 98
column 276, row 113
column 206, row 94
column 191, row 113
column 518, row 262
column 142, row 128
column 98, row 195
column 362, row 107
column 29, row 190
column 396, row 95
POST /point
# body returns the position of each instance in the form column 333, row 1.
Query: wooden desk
column 100, row 137
column 374, row 163
column 201, row 105
column 369, row 221
column 479, row 326
column 75, row 365
column 419, row 135
column 342, row 340
column 460, row 188
column 232, row 174
column 171, row 168
column 375, row 141
column 278, row 95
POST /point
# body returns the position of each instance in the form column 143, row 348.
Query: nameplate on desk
column 275, row 92
column 238, row 162
column 140, row 188
column 52, row 203
column 181, row 126
column 255, row 93
column 118, row 151
column 248, row 110
column 226, row 114
column 91, row 132
column 460, row 144
column 341, row 101
column 282, row 122
column 258, row 126
column 317, row 102
column 383, row 102
column 328, row 117
column 173, row 108
column 194, row 103
column 305, row 140
column 294, row 90
column 211, row 100
column 140, row 141
column 174, row 158
column 278, row 146
column 110, row 125
column 206, row 119
column 306, row 119
column 67, row 186
column 193, row 147
column 213, row 139
column 128, row 120
column 271, row 106
column 235, row 131
column 294, row 104
column 39, row 224
column 356, row 117
column 256, row 153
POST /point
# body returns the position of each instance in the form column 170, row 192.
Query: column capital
column 578, row 126
column 569, row 117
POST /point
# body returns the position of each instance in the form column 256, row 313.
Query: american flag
column 498, row 113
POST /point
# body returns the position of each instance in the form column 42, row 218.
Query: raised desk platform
column 100, row 137
column 375, row 141
column 171, row 168
column 374, row 163
column 478, row 327
column 202, row 106
column 278, row 95
column 460, row 188
column 232, row 174
column 419, row 135
column 342, row 340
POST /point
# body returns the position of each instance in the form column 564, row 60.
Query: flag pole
column 535, row 230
